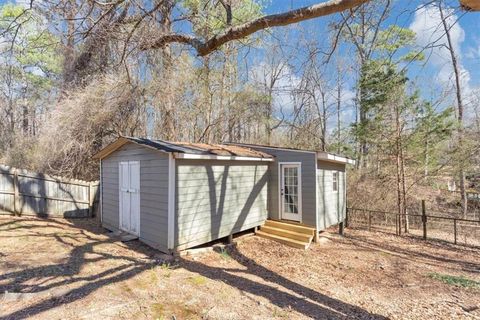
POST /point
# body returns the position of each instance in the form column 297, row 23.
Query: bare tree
column 460, row 104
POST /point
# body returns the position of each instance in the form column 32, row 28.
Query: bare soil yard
column 60, row 269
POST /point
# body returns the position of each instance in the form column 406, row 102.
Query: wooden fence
column 23, row 192
column 451, row 229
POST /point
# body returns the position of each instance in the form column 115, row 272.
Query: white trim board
column 317, row 189
column 100, row 186
column 215, row 157
column 171, row 202
column 300, row 191
column 334, row 158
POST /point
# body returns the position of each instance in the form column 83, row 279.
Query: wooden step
column 287, row 233
column 291, row 227
column 287, row 241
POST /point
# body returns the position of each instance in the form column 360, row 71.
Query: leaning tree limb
column 204, row 47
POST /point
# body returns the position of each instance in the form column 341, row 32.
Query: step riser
column 288, row 243
column 290, row 227
column 299, row 237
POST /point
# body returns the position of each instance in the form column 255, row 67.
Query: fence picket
column 41, row 194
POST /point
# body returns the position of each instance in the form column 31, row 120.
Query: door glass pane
column 290, row 195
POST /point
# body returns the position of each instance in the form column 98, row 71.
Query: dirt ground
column 60, row 269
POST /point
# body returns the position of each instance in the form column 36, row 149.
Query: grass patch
column 224, row 254
column 198, row 280
column 157, row 311
column 458, row 281
column 280, row 313
column 167, row 268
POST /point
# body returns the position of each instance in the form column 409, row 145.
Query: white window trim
column 337, row 175
column 300, row 193
column 171, row 202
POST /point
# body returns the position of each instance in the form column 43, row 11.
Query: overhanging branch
column 244, row 30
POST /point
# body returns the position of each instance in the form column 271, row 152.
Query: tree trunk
column 168, row 117
column 400, row 208
column 339, row 102
column 69, row 50
column 324, row 122
column 25, row 121
column 426, row 160
column 458, row 88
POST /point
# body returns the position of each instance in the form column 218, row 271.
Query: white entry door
column 129, row 187
column 291, row 191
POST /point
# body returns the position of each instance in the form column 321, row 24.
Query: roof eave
column 325, row 156
column 117, row 144
column 190, row 156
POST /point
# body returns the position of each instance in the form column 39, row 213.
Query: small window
column 335, row 181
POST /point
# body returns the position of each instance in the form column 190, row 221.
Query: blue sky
column 434, row 72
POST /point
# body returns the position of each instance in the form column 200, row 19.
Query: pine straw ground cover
column 59, row 269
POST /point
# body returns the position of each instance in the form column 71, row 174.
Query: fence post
column 407, row 222
column 16, row 194
column 455, row 231
column 396, row 224
column 340, row 228
column 346, row 217
column 424, row 220
column 399, row 224
column 90, row 200
column 369, row 220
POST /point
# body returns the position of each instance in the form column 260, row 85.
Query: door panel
column 124, row 206
column 129, row 196
column 290, row 192
column 134, row 197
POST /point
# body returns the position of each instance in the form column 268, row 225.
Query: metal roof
column 321, row 155
column 184, row 148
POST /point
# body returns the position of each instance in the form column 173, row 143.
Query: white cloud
column 286, row 81
column 427, row 25
column 473, row 52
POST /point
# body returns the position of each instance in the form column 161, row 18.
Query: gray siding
column 331, row 205
column 153, row 192
column 308, row 182
column 217, row 198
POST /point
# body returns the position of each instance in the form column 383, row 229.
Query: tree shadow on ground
column 280, row 291
column 66, row 276
column 59, row 276
column 417, row 255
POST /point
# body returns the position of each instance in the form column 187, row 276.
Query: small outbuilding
column 175, row 195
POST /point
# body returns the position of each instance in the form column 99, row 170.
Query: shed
column 318, row 198
column 177, row 195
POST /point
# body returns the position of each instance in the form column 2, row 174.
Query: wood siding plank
column 225, row 197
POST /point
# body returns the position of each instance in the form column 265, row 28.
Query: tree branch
column 203, row 48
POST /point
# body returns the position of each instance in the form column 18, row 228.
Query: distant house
column 175, row 196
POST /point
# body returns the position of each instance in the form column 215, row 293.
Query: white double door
column 129, row 206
